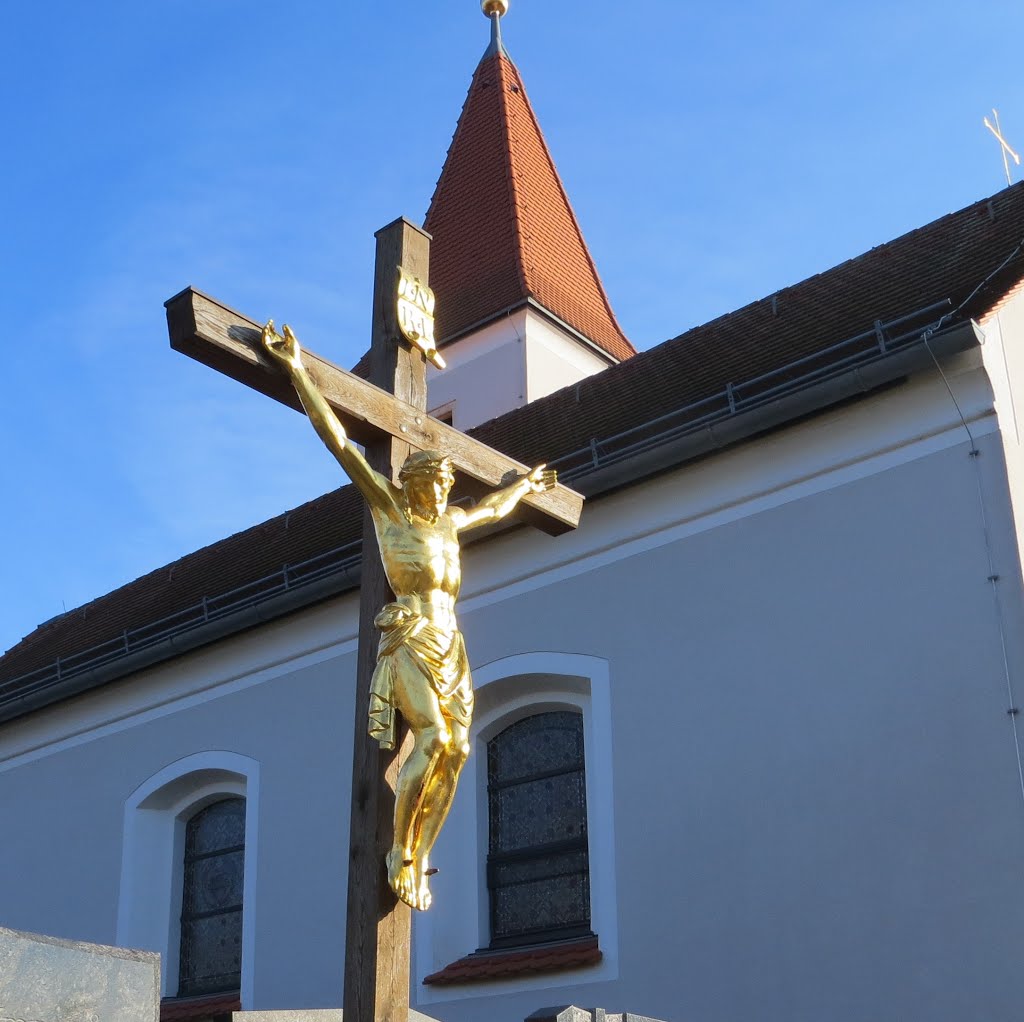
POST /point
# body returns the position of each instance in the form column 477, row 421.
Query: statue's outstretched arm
column 502, row 502
column 285, row 350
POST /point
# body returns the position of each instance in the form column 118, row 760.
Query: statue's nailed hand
column 542, row 478
column 284, row 350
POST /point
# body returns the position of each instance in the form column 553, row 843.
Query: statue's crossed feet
column 409, row 880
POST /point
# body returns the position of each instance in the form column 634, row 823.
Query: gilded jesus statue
column 422, row 669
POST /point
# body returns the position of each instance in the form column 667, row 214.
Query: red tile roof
column 503, row 230
column 193, row 1008
column 483, row 965
column 972, row 257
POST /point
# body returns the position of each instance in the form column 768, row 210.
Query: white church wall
column 817, row 806
column 555, row 359
column 514, row 360
column 865, row 595
column 485, row 375
column 1003, row 353
column 815, row 800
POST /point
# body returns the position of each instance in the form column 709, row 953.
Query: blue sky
column 713, row 153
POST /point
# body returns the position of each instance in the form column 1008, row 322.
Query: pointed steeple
column 504, row 234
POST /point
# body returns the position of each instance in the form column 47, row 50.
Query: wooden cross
column 388, row 416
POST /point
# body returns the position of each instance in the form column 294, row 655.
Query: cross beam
column 229, row 342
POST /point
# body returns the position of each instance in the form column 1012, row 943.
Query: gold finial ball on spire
column 499, row 7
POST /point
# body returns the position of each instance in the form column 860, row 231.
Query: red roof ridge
column 510, row 175
column 565, row 197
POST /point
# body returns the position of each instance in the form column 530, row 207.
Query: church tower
column 521, row 311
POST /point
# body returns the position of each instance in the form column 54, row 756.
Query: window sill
column 487, row 965
column 187, row 1009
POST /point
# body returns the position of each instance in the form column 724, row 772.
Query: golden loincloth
column 409, row 641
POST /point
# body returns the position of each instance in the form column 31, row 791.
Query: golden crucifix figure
column 422, row 669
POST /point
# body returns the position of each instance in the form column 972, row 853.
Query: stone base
column 308, row 1015
column 570, row 1013
column 44, row 979
column 565, row 1013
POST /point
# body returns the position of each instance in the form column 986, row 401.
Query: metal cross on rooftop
column 1003, row 144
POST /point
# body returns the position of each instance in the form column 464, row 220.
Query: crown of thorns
column 426, row 463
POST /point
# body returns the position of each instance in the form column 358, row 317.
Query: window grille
column 211, row 908
column 538, row 870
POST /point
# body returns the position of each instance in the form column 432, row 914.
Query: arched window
column 538, row 868
column 157, row 818
column 519, row 868
column 211, row 903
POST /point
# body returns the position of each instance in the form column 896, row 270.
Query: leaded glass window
column 211, row 904
column 538, row 870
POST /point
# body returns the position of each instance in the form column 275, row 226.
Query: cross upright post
column 377, row 934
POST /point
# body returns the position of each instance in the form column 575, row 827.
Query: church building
column 746, row 743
